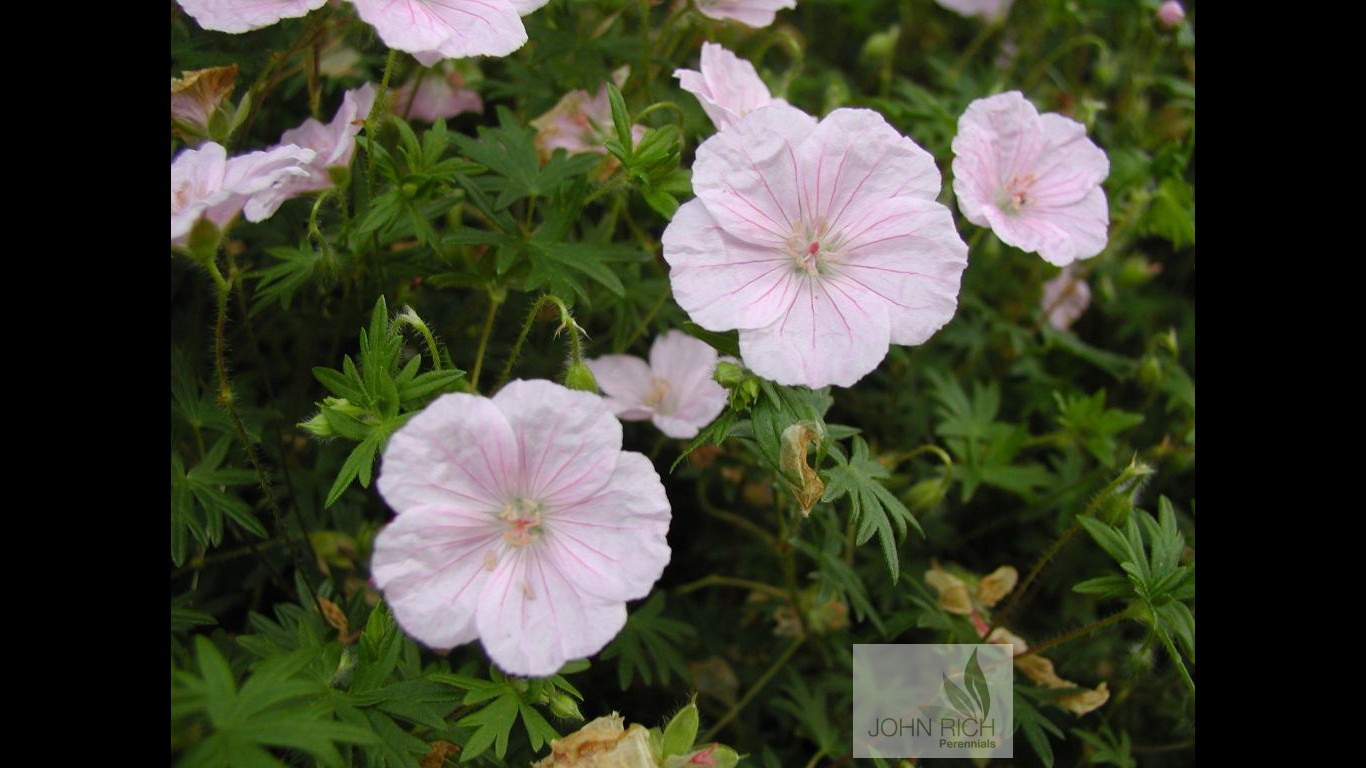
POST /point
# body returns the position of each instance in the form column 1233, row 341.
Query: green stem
column 566, row 321
column 972, row 49
column 715, row 580
column 313, row 230
column 375, row 110
column 483, row 343
column 1077, row 633
column 225, row 398
column 759, row 684
column 644, row 323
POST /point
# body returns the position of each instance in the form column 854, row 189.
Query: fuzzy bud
column 579, row 377
column 1171, row 14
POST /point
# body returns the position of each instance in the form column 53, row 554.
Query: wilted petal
column 997, row 585
column 432, row 563
column 195, row 96
column 1065, row 298
column 245, row 15
column 952, row 592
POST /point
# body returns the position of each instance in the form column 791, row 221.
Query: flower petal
column 245, row 15
column 432, row 30
column 532, row 618
column 723, row 282
column 753, row 13
column 613, row 545
column 694, row 398
column 747, row 175
column 431, row 564
column 1060, row 235
column 829, row 334
column 906, row 253
column 625, row 382
column 567, row 441
column 854, row 158
column 458, row 453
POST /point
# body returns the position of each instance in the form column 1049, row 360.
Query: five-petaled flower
column 334, row 144
column 822, row 243
column 520, row 522
column 727, row 86
column 1034, row 179
column 207, row 184
column 675, row 389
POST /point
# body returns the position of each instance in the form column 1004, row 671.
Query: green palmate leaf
column 647, row 645
column 271, row 709
column 1034, row 725
column 621, row 119
column 200, row 501
column 493, row 724
column 872, row 507
column 278, row 283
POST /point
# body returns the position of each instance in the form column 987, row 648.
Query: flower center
column 812, row 246
column 523, row 517
column 1016, row 194
column 659, row 389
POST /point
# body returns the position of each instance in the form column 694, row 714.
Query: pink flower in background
column 245, row 15
column 753, row 13
column 1034, row 179
column 432, row 30
column 520, row 522
column 727, row 86
column 822, row 243
column 1171, row 14
column 579, row 123
column 333, row 145
column 432, row 96
column 1065, row 297
column 675, row 389
column 986, row 10
column 205, row 183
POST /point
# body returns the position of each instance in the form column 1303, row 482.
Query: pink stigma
column 814, row 248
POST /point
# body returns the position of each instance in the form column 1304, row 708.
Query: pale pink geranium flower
column 245, row 15
column 520, row 522
column 1034, row 179
column 675, row 389
column 986, row 10
column 753, row 13
column 1065, row 298
column 822, row 243
column 435, row 95
column 333, row 145
column 206, row 184
column 727, row 86
column 579, row 123
column 432, row 30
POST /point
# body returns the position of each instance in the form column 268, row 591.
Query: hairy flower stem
column 1078, row 633
column 494, row 304
column 715, row 580
column 759, row 684
column 1130, row 477
column 225, row 398
column 566, row 321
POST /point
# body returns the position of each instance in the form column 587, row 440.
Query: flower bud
column 729, row 374
column 1171, row 14
column 318, row 426
column 563, row 706
column 581, row 378
column 926, row 494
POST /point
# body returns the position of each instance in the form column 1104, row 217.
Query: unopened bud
column 563, row 706
column 880, row 46
column 1171, row 14
column 926, row 494
column 581, row 378
column 318, row 426
column 729, row 374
